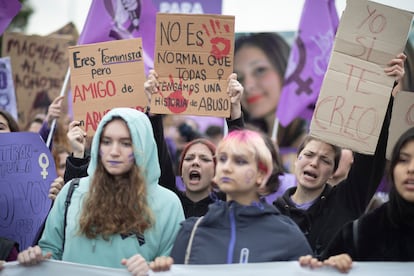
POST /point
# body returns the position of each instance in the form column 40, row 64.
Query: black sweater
column 385, row 234
column 344, row 202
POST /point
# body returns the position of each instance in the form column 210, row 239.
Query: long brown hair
column 116, row 205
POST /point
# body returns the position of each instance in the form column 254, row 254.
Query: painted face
column 4, row 126
column 237, row 175
column 198, row 168
column 404, row 172
column 314, row 165
column 262, row 83
column 116, row 149
column 61, row 167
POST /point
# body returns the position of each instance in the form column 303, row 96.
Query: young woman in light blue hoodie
column 119, row 215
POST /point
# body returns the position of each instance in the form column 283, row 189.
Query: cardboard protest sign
column 106, row 75
column 26, row 171
column 355, row 93
column 402, row 118
column 193, row 58
column 7, row 95
column 39, row 65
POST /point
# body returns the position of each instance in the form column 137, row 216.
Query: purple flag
column 8, row 10
column 308, row 60
column 115, row 19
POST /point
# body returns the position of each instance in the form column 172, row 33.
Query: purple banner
column 114, row 19
column 26, row 171
column 188, row 6
column 308, row 60
column 7, row 95
column 8, row 10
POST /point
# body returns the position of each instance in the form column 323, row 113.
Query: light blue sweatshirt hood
column 145, row 148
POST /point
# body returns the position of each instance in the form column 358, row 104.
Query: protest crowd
column 207, row 147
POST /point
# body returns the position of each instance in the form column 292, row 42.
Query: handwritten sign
column 39, row 65
column 402, row 118
column 26, row 171
column 7, row 95
column 355, row 93
column 193, row 58
column 106, row 75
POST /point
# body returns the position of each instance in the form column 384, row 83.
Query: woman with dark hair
column 385, row 234
column 7, row 122
column 197, row 168
column 260, row 61
column 321, row 209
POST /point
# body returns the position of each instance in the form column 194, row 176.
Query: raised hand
column 235, row 91
column 55, row 110
column 77, row 139
column 55, row 187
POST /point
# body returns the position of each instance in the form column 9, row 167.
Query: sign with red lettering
column 106, row 75
column 355, row 93
column 39, row 65
column 402, row 118
column 193, row 58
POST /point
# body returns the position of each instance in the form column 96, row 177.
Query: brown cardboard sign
column 193, row 58
column 402, row 118
column 355, row 92
column 106, row 75
column 39, row 65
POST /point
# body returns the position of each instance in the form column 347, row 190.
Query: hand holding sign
column 194, row 56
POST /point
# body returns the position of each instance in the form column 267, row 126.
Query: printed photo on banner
column 7, row 95
column 39, row 65
column 355, row 92
column 106, row 75
column 193, row 58
column 27, row 168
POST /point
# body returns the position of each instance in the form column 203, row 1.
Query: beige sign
column 106, row 75
column 39, row 65
column 355, row 93
column 402, row 118
column 193, row 58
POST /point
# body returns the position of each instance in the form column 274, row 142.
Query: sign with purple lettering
column 26, row 171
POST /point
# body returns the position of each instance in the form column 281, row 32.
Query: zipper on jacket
column 244, row 255
column 230, row 250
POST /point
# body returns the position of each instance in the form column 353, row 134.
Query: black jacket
column 344, row 202
column 385, row 234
